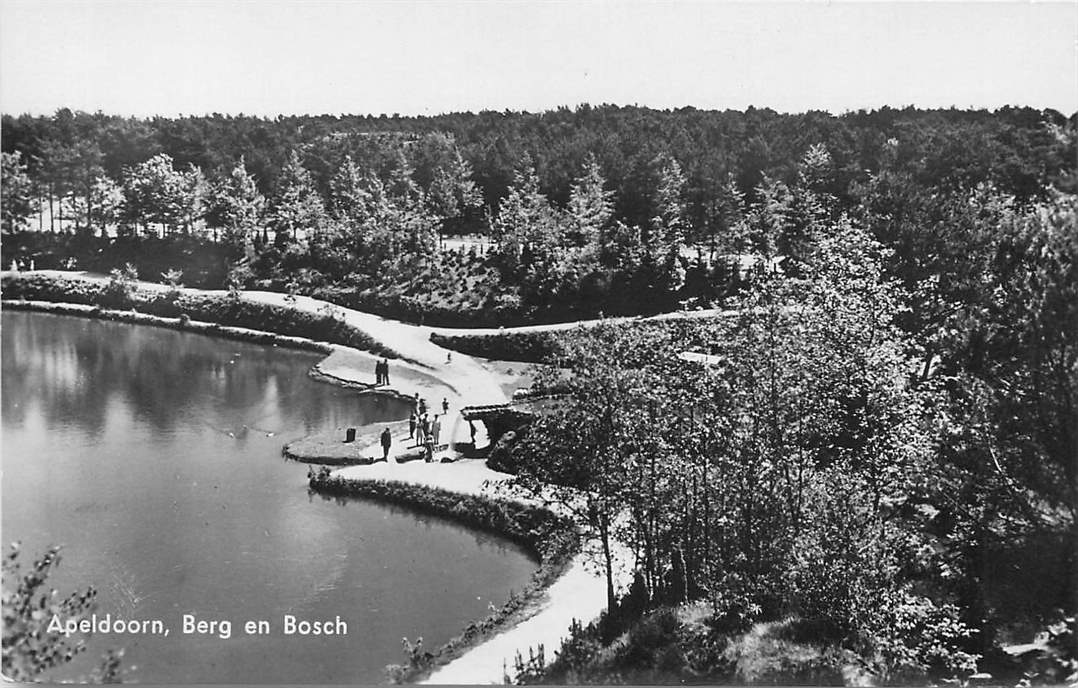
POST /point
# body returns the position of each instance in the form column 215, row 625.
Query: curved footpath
column 703, row 313
column 580, row 593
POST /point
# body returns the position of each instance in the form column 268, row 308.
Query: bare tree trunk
column 604, row 535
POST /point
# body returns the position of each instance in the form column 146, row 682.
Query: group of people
column 381, row 372
column 422, row 428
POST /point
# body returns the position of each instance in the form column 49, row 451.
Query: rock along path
column 580, row 593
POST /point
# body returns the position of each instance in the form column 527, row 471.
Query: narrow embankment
column 579, row 593
column 539, row 343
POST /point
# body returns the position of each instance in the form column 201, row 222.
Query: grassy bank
column 546, row 536
column 523, row 346
column 180, row 323
column 543, row 346
column 227, row 309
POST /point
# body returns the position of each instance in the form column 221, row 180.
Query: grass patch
column 220, row 309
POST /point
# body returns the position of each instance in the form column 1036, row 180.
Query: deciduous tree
column 16, row 195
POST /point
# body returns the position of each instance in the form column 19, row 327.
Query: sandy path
column 580, row 593
column 556, row 327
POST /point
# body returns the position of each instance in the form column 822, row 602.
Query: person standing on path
column 412, row 421
column 385, row 370
column 377, row 373
column 445, row 405
column 436, row 430
column 387, row 441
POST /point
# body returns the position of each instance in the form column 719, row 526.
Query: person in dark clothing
column 445, row 405
column 422, row 407
column 387, row 441
column 377, row 373
column 385, row 370
column 412, row 419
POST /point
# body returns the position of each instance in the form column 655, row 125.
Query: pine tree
column 347, row 195
column 453, row 195
column 297, row 206
column 525, row 218
column 591, row 207
column 239, row 205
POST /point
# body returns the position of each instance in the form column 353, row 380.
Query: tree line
column 604, row 209
column 1018, row 149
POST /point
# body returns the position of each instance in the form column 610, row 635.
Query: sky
column 270, row 57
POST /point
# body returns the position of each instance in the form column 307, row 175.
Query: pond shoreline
column 546, row 537
column 555, row 558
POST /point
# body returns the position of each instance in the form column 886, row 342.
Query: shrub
column 543, row 346
column 121, row 287
column 172, row 277
column 30, row 648
column 527, row 347
column 910, row 636
column 501, row 454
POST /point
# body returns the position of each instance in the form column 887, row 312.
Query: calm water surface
column 154, row 458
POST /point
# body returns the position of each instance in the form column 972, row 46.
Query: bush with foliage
column 29, row 648
column 527, row 347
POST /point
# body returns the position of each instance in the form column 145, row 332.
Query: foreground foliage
column 30, row 649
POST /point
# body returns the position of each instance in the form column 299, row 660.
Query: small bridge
column 501, row 418
column 498, row 418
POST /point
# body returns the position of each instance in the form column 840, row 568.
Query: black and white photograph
column 548, row 342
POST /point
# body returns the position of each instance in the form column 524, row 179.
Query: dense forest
column 876, row 472
column 598, row 209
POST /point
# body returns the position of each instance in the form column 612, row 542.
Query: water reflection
column 483, row 539
column 162, row 371
column 155, row 457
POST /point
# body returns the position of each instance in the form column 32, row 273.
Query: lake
column 154, row 457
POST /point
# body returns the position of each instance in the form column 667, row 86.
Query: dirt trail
column 556, row 327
